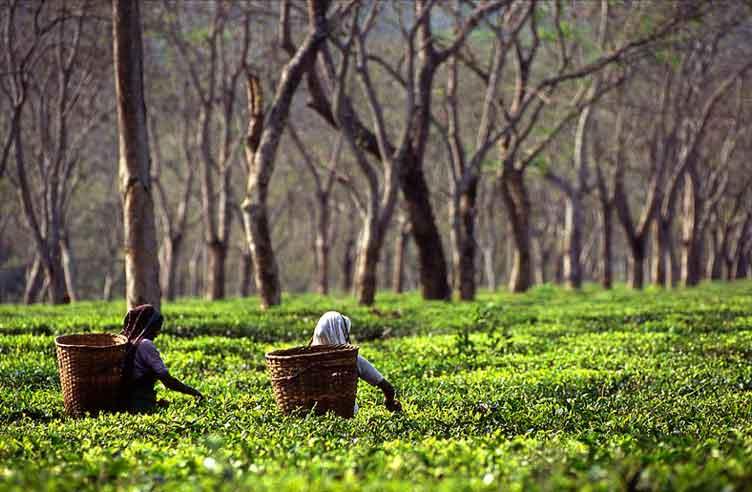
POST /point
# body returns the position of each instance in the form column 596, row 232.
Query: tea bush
column 548, row 390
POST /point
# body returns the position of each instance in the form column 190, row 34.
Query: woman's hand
column 390, row 402
column 393, row 405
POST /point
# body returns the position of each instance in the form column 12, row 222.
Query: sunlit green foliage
column 547, row 390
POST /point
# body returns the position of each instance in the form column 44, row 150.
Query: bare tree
column 173, row 216
column 377, row 206
column 50, row 66
column 261, row 147
column 216, row 69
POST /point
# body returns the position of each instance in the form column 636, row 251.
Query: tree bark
column 637, row 265
column 69, row 268
column 261, row 151
column 517, row 204
column 348, row 260
column 34, row 281
column 371, row 241
column 691, row 233
column 194, row 269
column 574, row 222
column 173, row 250
column 246, row 274
column 141, row 250
column 661, row 262
column 607, row 245
column 464, row 248
column 431, row 258
column 322, row 244
column 215, row 281
column 400, row 252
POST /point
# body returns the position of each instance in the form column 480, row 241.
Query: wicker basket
column 322, row 378
column 91, row 371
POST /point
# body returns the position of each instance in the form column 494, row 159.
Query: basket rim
column 280, row 354
column 60, row 339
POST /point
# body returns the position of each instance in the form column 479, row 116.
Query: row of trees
column 515, row 135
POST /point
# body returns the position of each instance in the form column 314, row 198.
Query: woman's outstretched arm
column 173, row 383
column 372, row 376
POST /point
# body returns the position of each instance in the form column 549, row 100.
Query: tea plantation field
column 549, row 390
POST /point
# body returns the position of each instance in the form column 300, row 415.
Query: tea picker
column 143, row 364
column 323, row 376
column 334, row 328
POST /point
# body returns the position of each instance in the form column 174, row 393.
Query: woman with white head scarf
column 333, row 328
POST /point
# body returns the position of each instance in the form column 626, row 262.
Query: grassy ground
column 547, row 390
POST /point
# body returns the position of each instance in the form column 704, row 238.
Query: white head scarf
column 333, row 328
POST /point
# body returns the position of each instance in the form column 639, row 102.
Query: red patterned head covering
column 141, row 322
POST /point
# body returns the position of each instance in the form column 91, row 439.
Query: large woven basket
column 91, row 371
column 320, row 378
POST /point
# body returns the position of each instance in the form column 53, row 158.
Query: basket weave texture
column 320, row 378
column 91, row 371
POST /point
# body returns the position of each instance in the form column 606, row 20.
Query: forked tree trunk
column 255, row 210
column 518, row 206
column 141, row 251
column 262, row 143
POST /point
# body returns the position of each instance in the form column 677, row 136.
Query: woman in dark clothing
column 143, row 364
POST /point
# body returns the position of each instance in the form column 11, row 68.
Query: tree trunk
column 518, row 205
column 607, row 277
column 58, row 291
column 574, row 222
column 661, row 257
column 368, row 258
column 194, row 269
column 488, row 264
column 431, row 258
column 400, row 252
column 262, row 142
column 637, row 264
column 173, row 249
column 34, row 281
column 463, row 239
column 69, row 268
column 141, row 250
column 742, row 266
column 215, row 277
column 246, row 273
column 720, row 252
column 322, row 246
column 107, row 287
column 348, row 260
column 691, row 235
